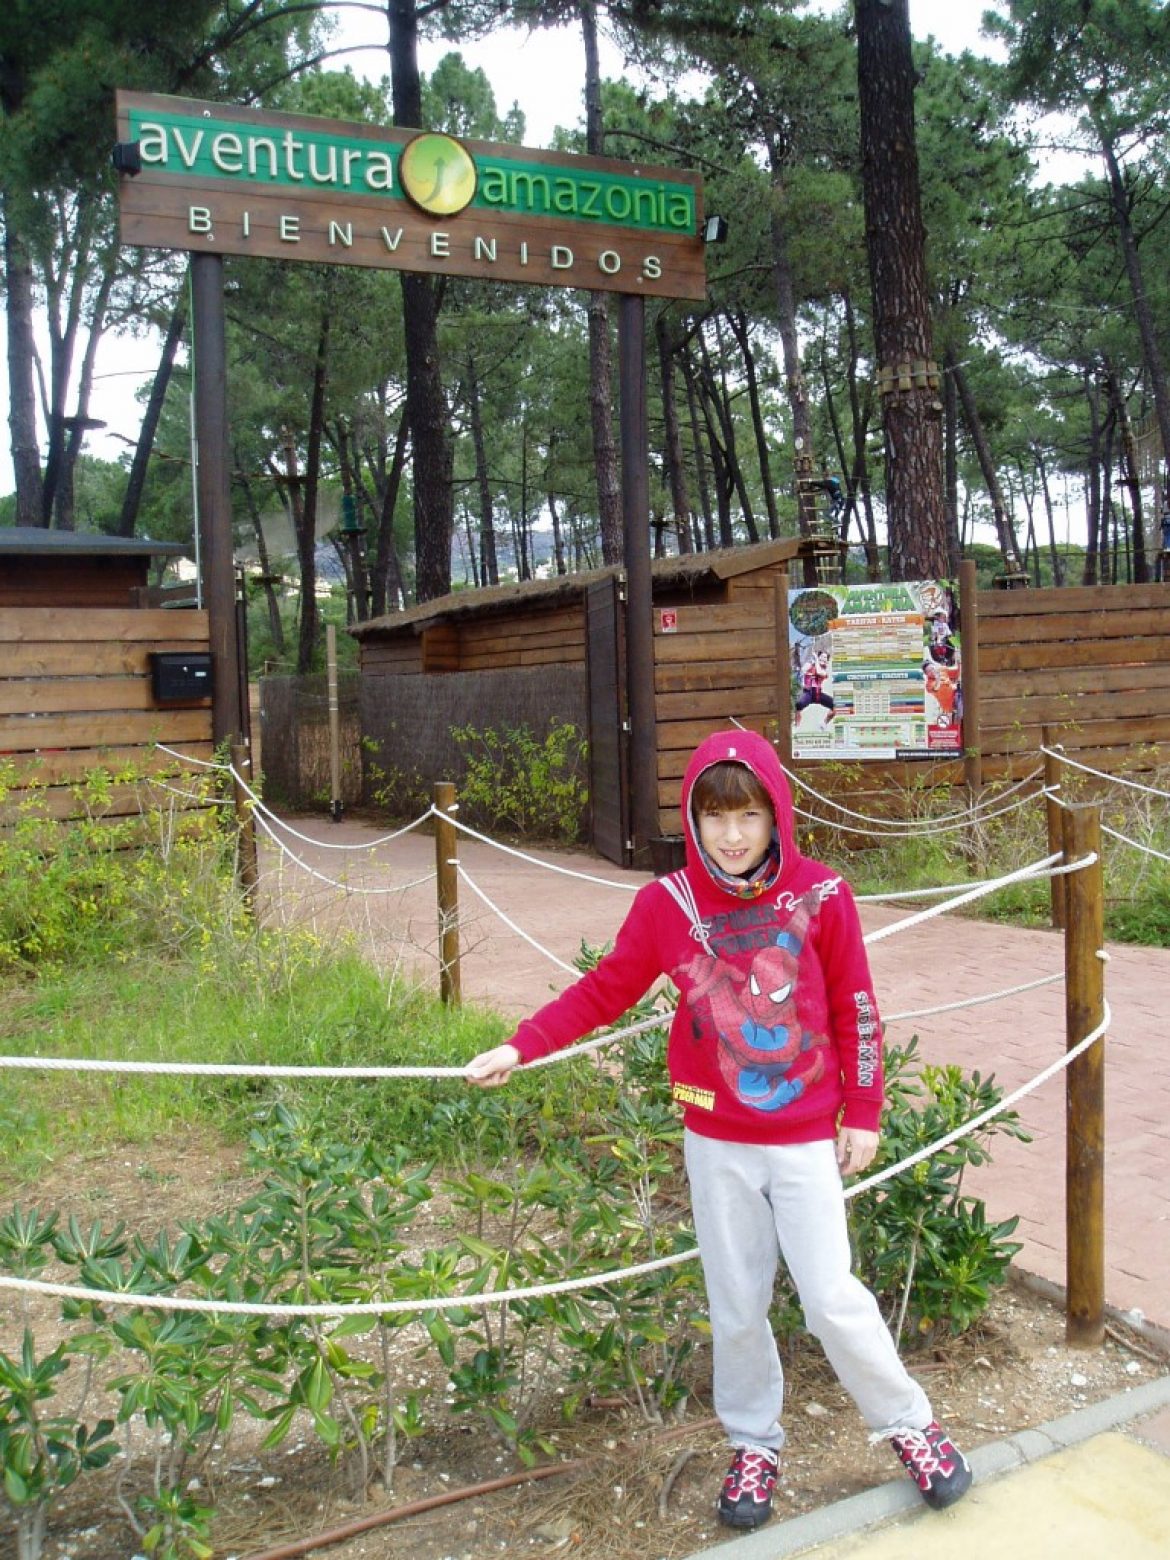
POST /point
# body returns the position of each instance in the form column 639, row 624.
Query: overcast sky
column 540, row 70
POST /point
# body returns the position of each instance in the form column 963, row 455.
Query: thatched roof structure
column 687, row 571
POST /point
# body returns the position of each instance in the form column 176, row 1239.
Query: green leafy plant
column 921, row 1243
column 43, row 1448
column 517, row 780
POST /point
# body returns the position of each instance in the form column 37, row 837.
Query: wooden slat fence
column 1091, row 661
column 75, row 695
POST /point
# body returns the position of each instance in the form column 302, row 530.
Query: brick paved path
column 939, row 961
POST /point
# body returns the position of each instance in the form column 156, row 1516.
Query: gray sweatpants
column 751, row 1201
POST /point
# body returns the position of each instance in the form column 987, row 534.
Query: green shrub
column 530, row 785
column 110, row 888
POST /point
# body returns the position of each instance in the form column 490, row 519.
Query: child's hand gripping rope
column 492, row 1068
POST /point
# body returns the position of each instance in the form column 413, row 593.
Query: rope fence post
column 335, row 803
column 972, row 732
column 1052, row 811
column 247, row 859
column 1084, row 1082
column 447, row 877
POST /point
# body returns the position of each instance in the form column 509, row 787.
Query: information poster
column 876, row 671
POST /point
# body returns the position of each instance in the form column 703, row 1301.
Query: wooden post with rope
column 447, row 875
column 972, row 713
column 1052, row 812
column 1084, row 973
column 335, row 803
column 248, row 862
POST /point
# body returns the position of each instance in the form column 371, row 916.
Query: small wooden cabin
column 556, row 647
column 40, row 568
column 79, row 675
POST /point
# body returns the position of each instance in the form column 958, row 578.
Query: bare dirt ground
column 635, row 1490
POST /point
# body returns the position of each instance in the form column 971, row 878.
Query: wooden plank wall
column 75, row 695
column 552, row 637
column 717, row 667
column 1093, row 661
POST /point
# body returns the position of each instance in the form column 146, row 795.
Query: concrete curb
column 775, row 1541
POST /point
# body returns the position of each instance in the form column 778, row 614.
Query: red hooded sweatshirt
column 776, row 1038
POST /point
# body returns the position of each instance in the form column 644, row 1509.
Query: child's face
column 736, row 838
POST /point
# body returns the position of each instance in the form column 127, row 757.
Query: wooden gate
column 605, row 656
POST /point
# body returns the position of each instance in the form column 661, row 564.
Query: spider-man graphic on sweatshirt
column 776, row 1038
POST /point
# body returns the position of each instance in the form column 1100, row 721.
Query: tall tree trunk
column 1093, row 481
column 794, row 385
column 136, row 481
column 1106, row 535
column 386, row 585
column 426, row 407
column 489, row 566
column 1046, row 489
column 1131, row 474
column 267, row 582
column 896, row 242
column 671, row 436
column 22, row 396
column 353, row 550
column 721, row 401
column 860, row 417
column 64, row 431
column 951, row 462
column 738, row 321
column 1004, row 529
column 1147, row 330
column 558, row 534
column 605, row 453
column 64, row 502
column 689, row 376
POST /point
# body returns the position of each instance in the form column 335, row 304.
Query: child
column 775, row 1058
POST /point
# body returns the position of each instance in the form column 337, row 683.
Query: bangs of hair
column 728, row 785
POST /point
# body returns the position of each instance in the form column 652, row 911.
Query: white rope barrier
column 1134, row 785
column 919, row 893
column 915, row 829
column 1146, row 850
column 188, row 758
column 961, row 816
column 549, row 866
column 348, row 888
column 282, row 1070
column 262, row 807
column 990, row 996
column 510, row 924
column 187, row 796
column 1045, row 868
column 1008, row 1101
column 482, row 1299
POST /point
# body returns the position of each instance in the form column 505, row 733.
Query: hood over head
column 758, row 755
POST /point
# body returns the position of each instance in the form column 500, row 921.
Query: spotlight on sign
column 714, row 230
column 127, row 157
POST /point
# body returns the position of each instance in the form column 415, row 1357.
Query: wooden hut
column 555, row 647
column 90, row 676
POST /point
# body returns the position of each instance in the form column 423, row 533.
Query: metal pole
column 248, row 861
column 335, row 802
column 639, row 607
column 1085, row 1083
column 446, row 865
column 1052, row 812
column 213, row 486
column 969, row 638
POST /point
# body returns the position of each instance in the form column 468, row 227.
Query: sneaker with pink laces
column 745, row 1500
column 935, row 1463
